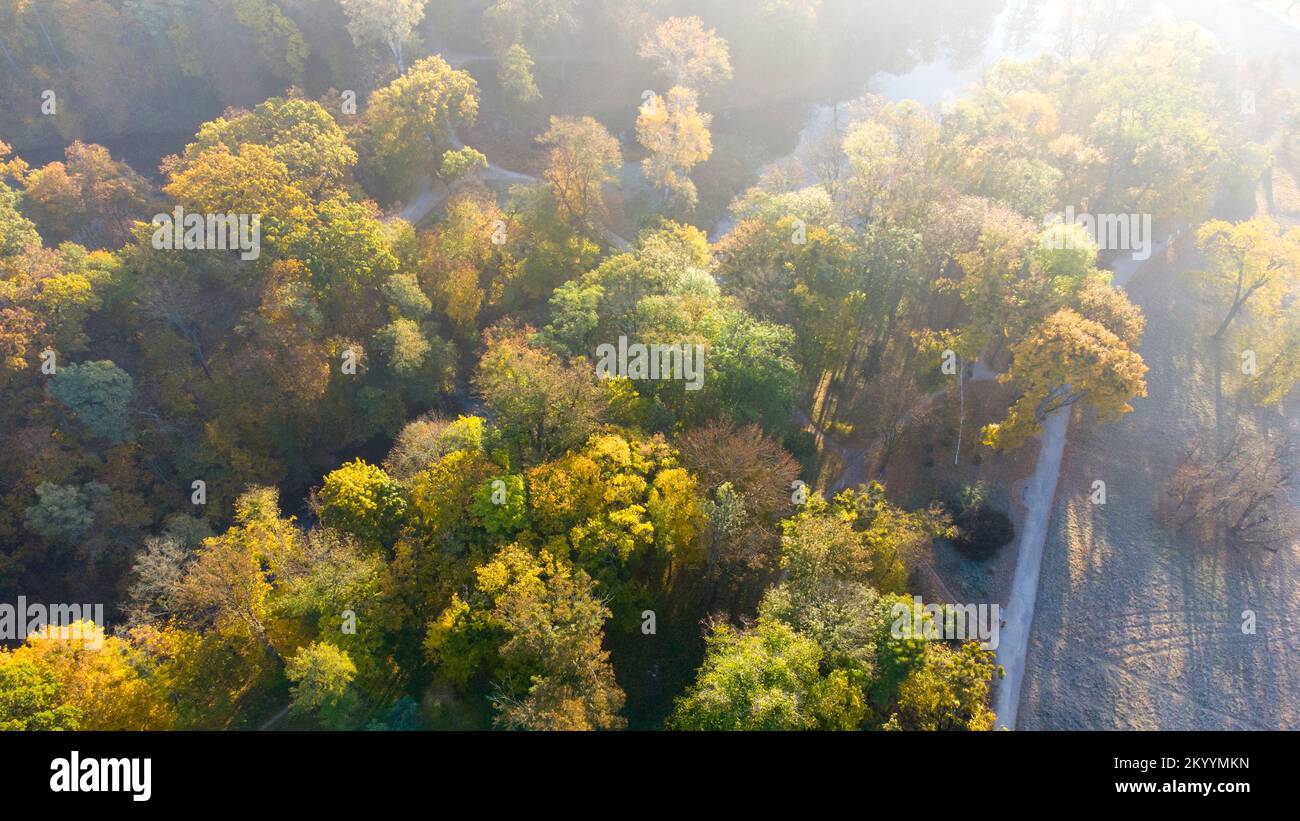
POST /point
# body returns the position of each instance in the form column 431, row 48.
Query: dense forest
column 367, row 472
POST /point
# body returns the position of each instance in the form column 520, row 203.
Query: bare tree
column 748, row 483
column 1235, row 496
column 158, row 570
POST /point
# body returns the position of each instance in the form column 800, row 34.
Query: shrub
column 981, row 530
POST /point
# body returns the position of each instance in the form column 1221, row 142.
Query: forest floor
column 1134, row 630
column 921, row 469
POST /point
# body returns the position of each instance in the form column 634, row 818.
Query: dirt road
column 1040, row 499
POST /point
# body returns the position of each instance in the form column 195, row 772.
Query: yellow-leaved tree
column 1066, row 359
column 676, row 134
column 1253, row 269
column 75, row 677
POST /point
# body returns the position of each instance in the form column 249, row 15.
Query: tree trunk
column 961, row 417
column 1216, row 344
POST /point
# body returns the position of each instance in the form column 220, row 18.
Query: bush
column 981, row 530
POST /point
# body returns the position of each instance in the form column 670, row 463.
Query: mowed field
column 1133, row 630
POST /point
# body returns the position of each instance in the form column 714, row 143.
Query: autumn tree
column 948, row 690
column 859, row 535
column 581, row 157
column 687, row 53
column 301, row 134
column 764, row 678
column 1154, row 144
column 676, row 136
column 534, row 624
column 320, row 673
column 229, row 582
column 362, row 499
column 102, row 684
column 157, row 570
column 278, row 42
column 63, row 288
column 1067, row 359
column 404, row 345
column 515, row 74
column 425, row 440
column 90, row 198
column 248, row 179
column 624, row 511
column 386, row 22
column 825, row 652
column 760, row 262
column 411, row 121
column 442, row 496
column 1253, row 271
column 892, row 156
column 31, row 697
column 469, row 262
column 1008, row 144
column 17, row 232
column 338, row 588
column 541, row 403
column 749, row 481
